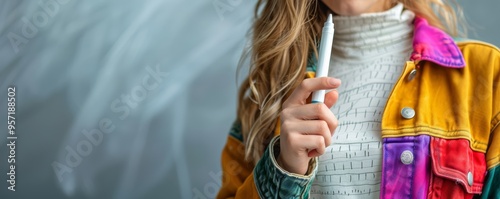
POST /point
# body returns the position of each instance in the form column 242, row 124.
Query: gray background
column 86, row 54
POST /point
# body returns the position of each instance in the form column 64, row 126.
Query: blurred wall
column 129, row 99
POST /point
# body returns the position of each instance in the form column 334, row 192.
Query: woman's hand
column 306, row 129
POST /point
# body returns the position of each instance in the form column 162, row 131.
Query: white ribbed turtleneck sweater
column 368, row 55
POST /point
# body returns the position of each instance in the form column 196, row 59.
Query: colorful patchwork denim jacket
column 440, row 130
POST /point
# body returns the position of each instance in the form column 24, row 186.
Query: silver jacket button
column 412, row 74
column 407, row 113
column 470, row 178
column 407, row 157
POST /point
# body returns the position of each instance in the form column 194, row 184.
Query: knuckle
column 323, row 126
column 283, row 114
column 319, row 108
column 285, row 125
column 321, row 145
column 321, row 151
column 321, row 141
column 286, row 112
column 335, row 123
column 324, row 110
column 328, row 141
column 327, row 137
column 290, row 140
column 325, row 81
column 304, row 84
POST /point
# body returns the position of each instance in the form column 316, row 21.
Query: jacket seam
column 235, row 131
column 478, row 43
column 441, row 61
column 239, row 141
column 493, row 165
column 436, row 129
column 494, row 126
column 474, row 144
column 458, row 130
column 432, row 132
column 413, row 170
column 493, row 158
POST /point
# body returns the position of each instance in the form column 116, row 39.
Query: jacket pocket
column 457, row 170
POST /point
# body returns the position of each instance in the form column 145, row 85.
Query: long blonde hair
column 284, row 36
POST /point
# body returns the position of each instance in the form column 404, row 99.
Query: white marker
column 325, row 50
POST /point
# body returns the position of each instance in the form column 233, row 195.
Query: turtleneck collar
column 373, row 35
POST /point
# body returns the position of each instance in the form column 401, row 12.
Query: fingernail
column 334, row 81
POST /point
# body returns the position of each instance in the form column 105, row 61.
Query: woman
column 418, row 111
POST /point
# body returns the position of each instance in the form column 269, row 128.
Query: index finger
column 307, row 86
